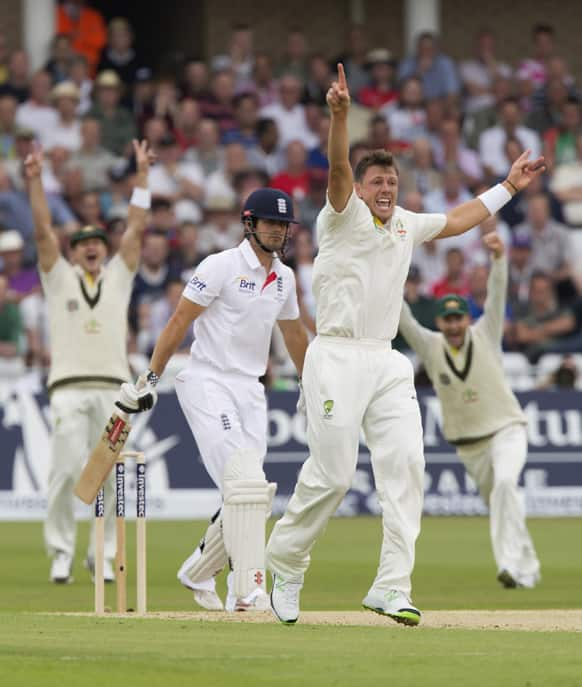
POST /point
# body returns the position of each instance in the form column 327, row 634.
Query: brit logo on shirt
column 197, row 283
column 246, row 285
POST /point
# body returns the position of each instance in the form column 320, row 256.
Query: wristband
column 495, row 198
column 141, row 198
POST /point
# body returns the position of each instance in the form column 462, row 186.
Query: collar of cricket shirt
column 251, row 257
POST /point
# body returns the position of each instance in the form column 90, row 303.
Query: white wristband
column 495, row 198
column 141, row 198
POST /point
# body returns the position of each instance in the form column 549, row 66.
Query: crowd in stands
column 224, row 126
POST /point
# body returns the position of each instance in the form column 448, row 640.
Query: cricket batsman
column 481, row 415
column 234, row 299
column 353, row 379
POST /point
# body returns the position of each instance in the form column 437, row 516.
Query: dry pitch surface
column 532, row 621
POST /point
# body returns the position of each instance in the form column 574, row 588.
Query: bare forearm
column 170, row 338
column 8, row 350
column 40, row 210
column 468, row 215
column 338, row 147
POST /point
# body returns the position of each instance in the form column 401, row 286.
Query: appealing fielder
column 481, row 415
column 87, row 308
column 352, row 378
column 234, row 299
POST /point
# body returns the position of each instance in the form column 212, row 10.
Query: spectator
column 155, row 130
column 23, row 144
column 564, row 377
column 294, row 179
column 533, row 69
column 187, row 121
column 450, row 149
column 474, row 249
column 117, row 125
column 163, row 217
column 303, row 253
column 92, row 160
column 22, row 281
column 165, row 102
column 196, row 84
column 520, row 271
column 189, row 254
column 381, row 90
column 174, row 179
column 566, row 183
column 452, row 193
column 240, row 58
column 309, row 207
column 455, row 278
column 67, row 130
column 436, row 70
column 17, row 82
column 118, row 54
column 79, row 75
column 318, row 81
column 59, row 64
column 248, row 181
column 88, row 209
column 289, row 114
column 218, row 105
column 418, row 173
column 317, row 157
column 220, row 184
column 407, row 118
column 209, row 154
column 85, row 26
column 246, row 108
column 475, row 123
column 266, row 155
column 545, row 327
column 294, row 60
column 548, row 113
column 11, row 331
column 3, row 59
column 355, row 58
column 478, row 74
column 221, row 228
column 8, row 104
column 429, row 256
column 116, row 226
column 262, row 83
column 142, row 97
column 551, row 245
column 422, row 307
column 37, row 112
column 560, row 146
column 492, row 141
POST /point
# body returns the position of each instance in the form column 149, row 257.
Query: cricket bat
column 104, row 456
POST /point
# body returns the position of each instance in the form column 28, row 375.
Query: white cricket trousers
column 226, row 412
column 495, row 465
column 351, row 384
column 78, row 419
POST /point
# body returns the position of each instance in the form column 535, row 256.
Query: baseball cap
column 269, row 203
column 10, row 240
column 451, row 304
column 88, row 232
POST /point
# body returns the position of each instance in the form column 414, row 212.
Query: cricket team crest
column 399, row 229
column 328, row 408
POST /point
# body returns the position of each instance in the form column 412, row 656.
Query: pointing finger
column 341, row 76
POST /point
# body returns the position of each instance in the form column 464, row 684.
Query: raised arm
column 493, row 316
column 473, row 212
column 130, row 247
column 47, row 244
column 340, row 178
column 296, row 341
column 419, row 338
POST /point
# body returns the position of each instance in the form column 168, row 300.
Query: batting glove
column 135, row 398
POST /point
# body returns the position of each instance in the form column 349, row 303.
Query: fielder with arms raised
column 234, row 299
column 87, row 308
column 481, row 415
column 352, row 378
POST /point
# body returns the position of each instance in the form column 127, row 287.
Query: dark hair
column 263, row 125
column 246, row 95
column 540, row 274
column 543, row 28
column 379, row 158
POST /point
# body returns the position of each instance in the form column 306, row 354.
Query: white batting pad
column 246, row 504
column 198, row 571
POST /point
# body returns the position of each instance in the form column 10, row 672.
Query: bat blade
column 103, row 457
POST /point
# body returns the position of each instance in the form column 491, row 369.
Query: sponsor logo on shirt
column 246, row 285
column 197, row 283
column 400, row 230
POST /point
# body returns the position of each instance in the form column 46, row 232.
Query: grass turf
column 454, row 570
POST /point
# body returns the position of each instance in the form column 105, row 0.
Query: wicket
column 120, row 556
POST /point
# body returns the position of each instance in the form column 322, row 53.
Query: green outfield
column 454, row 571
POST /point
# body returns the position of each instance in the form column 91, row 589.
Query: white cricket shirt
column 242, row 305
column 361, row 267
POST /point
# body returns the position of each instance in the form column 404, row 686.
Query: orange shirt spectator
column 86, row 28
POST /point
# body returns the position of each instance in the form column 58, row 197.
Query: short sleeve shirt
column 242, row 305
column 361, row 267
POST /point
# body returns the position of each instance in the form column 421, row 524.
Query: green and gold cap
column 88, row 232
column 451, row 304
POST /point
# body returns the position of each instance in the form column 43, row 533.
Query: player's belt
column 87, row 381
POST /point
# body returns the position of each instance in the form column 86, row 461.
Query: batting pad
column 208, row 560
column 246, row 504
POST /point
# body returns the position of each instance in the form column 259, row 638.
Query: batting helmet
column 268, row 203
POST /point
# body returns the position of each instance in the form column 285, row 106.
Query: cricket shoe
column 255, row 601
column 61, row 568
column 285, row 599
column 394, row 604
column 208, row 599
column 108, row 573
column 511, row 581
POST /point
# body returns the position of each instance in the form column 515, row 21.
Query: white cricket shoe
column 285, row 599
column 255, row 601
column 61, row 568
column 394, row 604
column 108, row 572
column 208, row 599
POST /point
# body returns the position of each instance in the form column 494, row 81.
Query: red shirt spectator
column 455, row 279
column 86, row 28
column 381, row 91
column 294, row 179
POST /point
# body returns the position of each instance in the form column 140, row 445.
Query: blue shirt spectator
column 436, row 71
